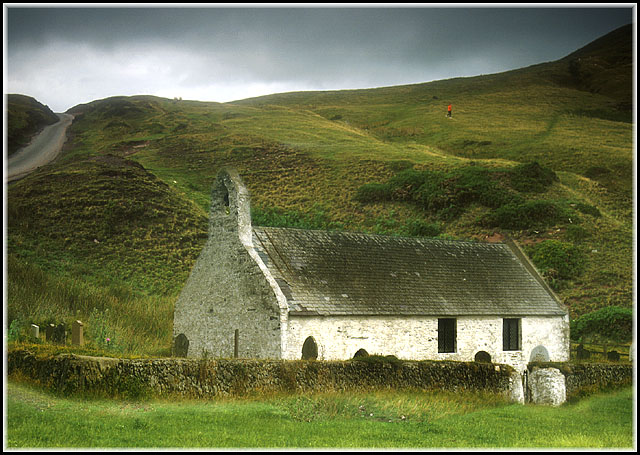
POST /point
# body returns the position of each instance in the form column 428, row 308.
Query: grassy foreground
column 388, row 419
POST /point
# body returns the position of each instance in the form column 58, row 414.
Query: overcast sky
column 64, row 56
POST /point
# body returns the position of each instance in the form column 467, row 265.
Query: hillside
column 536, row 154
column 25, row 117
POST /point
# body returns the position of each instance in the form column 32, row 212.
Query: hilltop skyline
column 66, row 56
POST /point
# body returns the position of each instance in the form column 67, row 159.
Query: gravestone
column 49, row 332
column 77, row 335
column 613, row 356
column 181, row 345
column 582, row 353
column 60, row 334
column 35, row 332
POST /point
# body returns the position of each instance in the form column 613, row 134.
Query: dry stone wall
column 554, row 383
column 200, row 378
column 68, row 374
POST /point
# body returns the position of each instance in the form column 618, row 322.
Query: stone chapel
column 282, row 293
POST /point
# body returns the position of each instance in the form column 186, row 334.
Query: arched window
column 360, row 353
column 309, row 349
column 539, row 354
column 181, row 345
column 482, row 357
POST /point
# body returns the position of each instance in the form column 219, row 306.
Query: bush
column 588, row 209
column 373, row 192
column 276, row 217
column 405, row 184
column 419, row 228
column 450, row 193
column 557, row 259
column 523, row 215
column 576, row 233
column 531, row 178
column 614, row 323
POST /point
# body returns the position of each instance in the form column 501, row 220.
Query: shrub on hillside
column 373, row 192
column 450, row 193
column 614, row 323
column 405, row 184
column 531, row 178
column 576, row 233
column 523, row 215
column 420, row 228
column 588, row 209
column 557, row 259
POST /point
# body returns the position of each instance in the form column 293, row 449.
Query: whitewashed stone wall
column 416, row 338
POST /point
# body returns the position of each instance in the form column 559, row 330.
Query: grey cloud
column 195, row 49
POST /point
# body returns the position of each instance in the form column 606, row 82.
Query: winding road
column 41, row 150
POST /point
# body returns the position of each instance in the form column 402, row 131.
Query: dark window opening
column 309, row 349
column 511, row 334
column 447, row 335
column 225, row 198
column 482, row 357
column 361, row 353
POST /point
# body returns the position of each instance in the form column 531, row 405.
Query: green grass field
column 389, row 419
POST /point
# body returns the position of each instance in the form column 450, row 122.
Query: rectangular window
column 511, row 334
column 447, row 335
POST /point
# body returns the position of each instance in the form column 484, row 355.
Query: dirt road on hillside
column 40, row 151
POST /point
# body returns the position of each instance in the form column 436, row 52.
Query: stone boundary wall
column 200, row 378
column 549, row 383
column 579, row 379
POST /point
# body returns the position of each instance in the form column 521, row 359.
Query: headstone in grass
column 77, row 335
column 614, row 356
column 582, row 353
column 60, row 334
column 35, row 331
column 49, row 331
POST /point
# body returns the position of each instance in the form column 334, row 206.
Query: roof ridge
column 386, row 236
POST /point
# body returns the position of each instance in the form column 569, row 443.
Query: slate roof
column 343, row 273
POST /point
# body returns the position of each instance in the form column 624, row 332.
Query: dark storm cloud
column 199, row 51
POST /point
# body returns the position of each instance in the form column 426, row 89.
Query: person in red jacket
column 449, row 111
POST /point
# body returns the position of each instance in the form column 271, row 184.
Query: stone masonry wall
column 226, row 290
column 554, row 383
column 200, row 378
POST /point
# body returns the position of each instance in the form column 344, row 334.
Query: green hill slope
column 541, row 154
column 25, row 117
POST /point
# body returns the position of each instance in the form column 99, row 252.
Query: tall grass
column 389, row 419
column 134, row 323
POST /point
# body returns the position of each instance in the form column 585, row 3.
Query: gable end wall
column 227, row 290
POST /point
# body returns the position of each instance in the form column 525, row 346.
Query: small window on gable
column 225, row 199
column 447, row 335
column 511, row 334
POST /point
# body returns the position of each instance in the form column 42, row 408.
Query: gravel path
column 40, row 151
